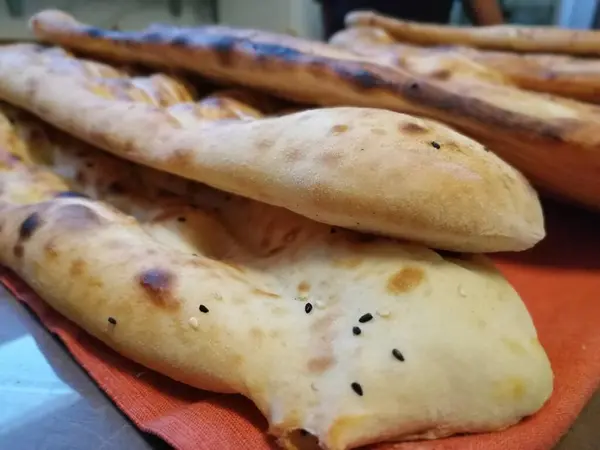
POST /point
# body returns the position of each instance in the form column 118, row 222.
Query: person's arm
column 484, row 12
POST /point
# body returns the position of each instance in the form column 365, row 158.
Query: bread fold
column 366, row 169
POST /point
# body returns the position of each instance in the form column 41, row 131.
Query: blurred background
column 298, row 17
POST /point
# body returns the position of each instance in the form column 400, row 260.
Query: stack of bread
column 324, row 262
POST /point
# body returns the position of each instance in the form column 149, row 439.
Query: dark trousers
column 432, row 11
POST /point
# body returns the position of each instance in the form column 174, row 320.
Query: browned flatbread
column 365, row 169
column 497, row 37
column 566, row 76
column 235, row 296
column 552, row 140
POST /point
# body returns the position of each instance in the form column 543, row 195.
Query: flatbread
column 566, row 76
column 552, row 140
column 365, row 169
column 354, row 340
column 379, row 46
column 517, row 38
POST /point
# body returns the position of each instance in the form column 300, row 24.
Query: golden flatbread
column 496, row 37
column 562, row 75
column 365, row 169
column 354, row 340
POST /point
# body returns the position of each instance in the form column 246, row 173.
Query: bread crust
column 495, row 37
column 360, row 168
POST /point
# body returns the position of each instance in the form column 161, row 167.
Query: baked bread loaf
column 354, row 340
column 516, row 38
column 552, row 140
column 365, row 169
column 562, row 75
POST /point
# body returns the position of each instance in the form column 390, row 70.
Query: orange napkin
column 559, row 281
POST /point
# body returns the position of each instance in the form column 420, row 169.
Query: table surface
column 49, row 402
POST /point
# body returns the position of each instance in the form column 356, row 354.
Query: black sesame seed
column 357, row 388
column 414, row 86
column 356, row 331
column 70, row 194
column 399, row 356
column 435, row 145
column 203, row 309
column 181, row 219
column 308, row 308
column 112, row 320
column 366, row 318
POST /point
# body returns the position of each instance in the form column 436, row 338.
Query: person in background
column 481, row 12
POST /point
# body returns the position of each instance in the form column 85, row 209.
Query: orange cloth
column 559, row 281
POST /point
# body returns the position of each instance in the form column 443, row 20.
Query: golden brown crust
column 496, row 37
column 566, row 76
column 553, row 141
column 187, row 298
column 352, row 167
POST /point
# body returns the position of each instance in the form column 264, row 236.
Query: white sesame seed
column 218, row 296
column 383, row 313
column 461, row 291
column 193, row 322
column 319, row 304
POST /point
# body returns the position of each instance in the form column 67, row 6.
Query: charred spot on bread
column 158, row 285
column 181, row 40
column 29, row 226
column 412, row 128
column 95, row 32
column 70, row 194
column 265, row 50
column 18, row 250
column 153, row 36
column 405, row 280
column 365, row 79
column 222, row 44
